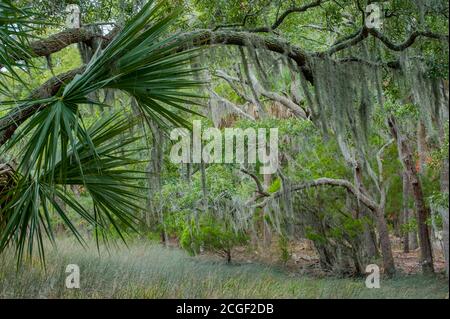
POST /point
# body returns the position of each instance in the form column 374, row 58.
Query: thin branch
column 235, row 25
column 364, row 32
column 235, row 109
column 232, row 83
column 408, row 42
column 259, row 187
column 285, row 14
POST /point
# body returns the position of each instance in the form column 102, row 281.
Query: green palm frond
column 60, row 151
column 139, row 62
column 16, row 25
column 107, row 176
column 148, row 67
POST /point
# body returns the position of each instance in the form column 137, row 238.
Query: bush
column 211, row 236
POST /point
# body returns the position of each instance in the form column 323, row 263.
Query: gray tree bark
column 154, row 169
column 406, row 157
column 409, row 237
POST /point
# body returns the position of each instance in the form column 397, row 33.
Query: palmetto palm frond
column 15, row 26
column 12, row 35
column 142, row 63
column 60, row 151
column 106, row 175
column 138, row 62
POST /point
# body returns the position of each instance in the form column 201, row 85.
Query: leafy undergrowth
column 146, row 270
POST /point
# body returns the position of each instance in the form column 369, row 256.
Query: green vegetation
column 146, row 270
column 98, row 142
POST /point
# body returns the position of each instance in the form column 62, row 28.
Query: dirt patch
column 409, row 263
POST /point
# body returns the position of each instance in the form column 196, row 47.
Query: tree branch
column 368, row 202
column 364, row 32
column 408, row 42
column 10, row 122
column 63, row 39
column 260, row 188
column 199, row 38
column 285, row 14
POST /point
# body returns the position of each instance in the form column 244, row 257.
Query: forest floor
column 148, row 270
column 304, row 260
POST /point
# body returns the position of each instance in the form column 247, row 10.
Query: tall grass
column 147, row 270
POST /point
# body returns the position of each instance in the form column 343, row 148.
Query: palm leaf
column 16, row 25
column 107, row 177
column 59, row 150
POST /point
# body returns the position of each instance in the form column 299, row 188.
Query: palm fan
column 59, row 150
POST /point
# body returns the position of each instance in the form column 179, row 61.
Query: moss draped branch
column 368, row 202
column 10, row 122
column 205, row 37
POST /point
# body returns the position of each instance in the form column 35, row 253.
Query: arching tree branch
column 408, row 42
column 364, row 32
column 10, row 122
column 368, row 202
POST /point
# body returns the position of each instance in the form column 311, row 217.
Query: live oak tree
column 343, row 68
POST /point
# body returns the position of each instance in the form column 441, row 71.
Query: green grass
column 146, row 270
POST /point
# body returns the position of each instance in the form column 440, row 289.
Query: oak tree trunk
column 385, row 243
column 444, row 212
column 406, row 157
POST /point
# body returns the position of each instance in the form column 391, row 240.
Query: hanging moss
column 422, row 90
column 344, row 95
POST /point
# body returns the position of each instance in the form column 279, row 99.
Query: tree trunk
column 154, row 170
column 370, row 238
column 267, row 235
column 444, row 171
column 412, row 236
column 445, row 235
column 228, row 254
column 422, row 216
column 7, row 182
column 204, row 187
column 444, row 212
column 422, row 148
column 409, row 236
column 385, row 243
column 406, row 157
column 405, row 214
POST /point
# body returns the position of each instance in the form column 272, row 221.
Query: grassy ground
column 151, row 271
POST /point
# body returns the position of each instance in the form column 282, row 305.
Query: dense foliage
column 362, row 116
